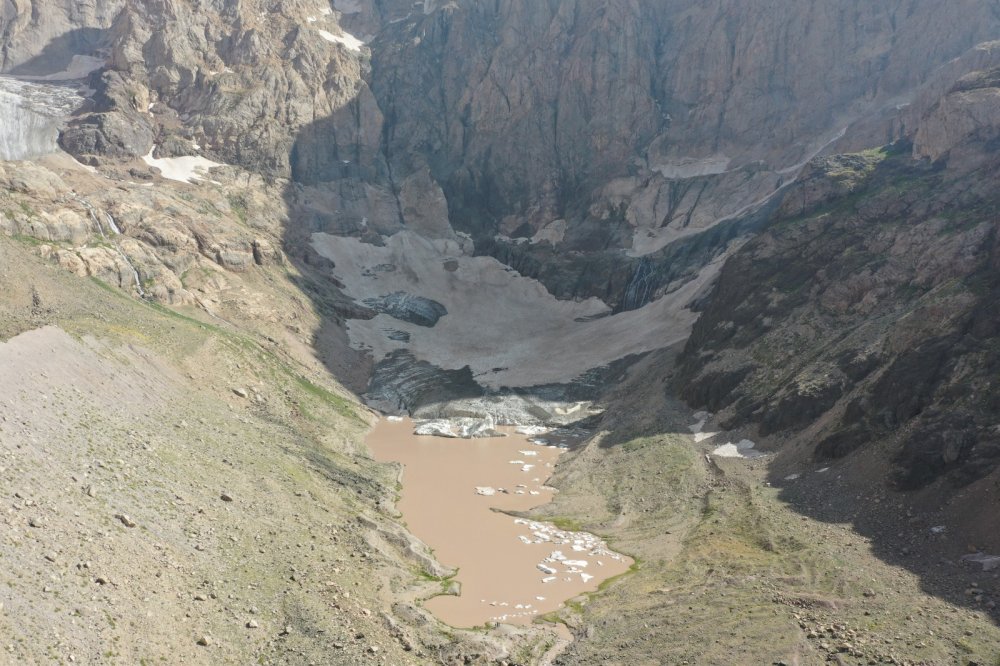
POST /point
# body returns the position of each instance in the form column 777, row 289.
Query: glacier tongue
column 30, row 117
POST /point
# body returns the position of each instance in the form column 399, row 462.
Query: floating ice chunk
column 529, row 454
column 527, row 468
column 548, row 579
column 524, row 539
column 586, row 577
column 539, row 598
column 576, row 563
column 533, row 492
column 464, row 428
column 486, row 490
column 544, row 568
column 394, row 419
column 516, row 462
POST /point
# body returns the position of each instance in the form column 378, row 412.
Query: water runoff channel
column 32, row 111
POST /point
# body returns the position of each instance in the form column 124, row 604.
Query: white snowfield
column 187, row 169
column 742, row 449
column 508, row 328
column 347, row 39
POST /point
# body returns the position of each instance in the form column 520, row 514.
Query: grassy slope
column 289, row 551
column 731, row 574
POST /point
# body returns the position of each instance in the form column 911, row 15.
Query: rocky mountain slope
column 521, row 209
column 864, row 315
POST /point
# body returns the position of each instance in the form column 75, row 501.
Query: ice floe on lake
column 557, row 562
column 532, row 430
column 464, row 428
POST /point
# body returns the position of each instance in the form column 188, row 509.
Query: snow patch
column 698, row 427
column 347, row 39
column 742, row 449
column 186, row 169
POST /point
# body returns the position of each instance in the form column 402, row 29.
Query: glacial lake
column 455, row 493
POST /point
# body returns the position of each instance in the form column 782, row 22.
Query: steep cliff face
column 866, row 314
column 525, row 111
column 554, row 120
column 608, row 150
column 41, row 36
column 235, row 81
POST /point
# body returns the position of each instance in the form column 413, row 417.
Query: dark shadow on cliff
column 916, row 471
column 58, row 53
column 351, row 192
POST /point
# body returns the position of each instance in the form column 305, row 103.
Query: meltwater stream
column 511, row 570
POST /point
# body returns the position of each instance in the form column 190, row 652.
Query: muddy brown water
column 511, row 570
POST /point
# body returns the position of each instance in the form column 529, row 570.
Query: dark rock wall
column 867, row 315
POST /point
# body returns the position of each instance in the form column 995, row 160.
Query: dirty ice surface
column 508, row 328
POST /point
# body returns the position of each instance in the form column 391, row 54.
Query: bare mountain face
column 863, row 320
column 608, row 150
column 517, row 209
column 42, row 36
column 617, row 153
